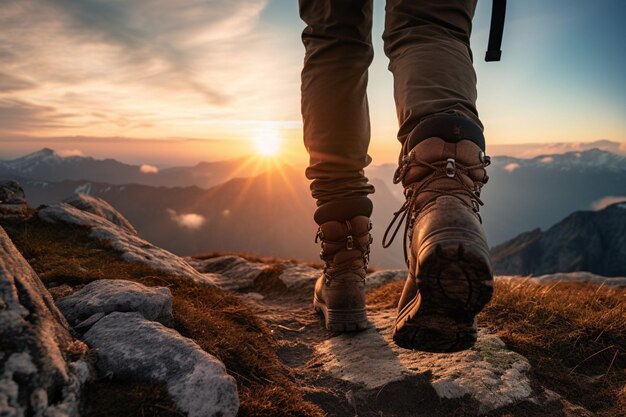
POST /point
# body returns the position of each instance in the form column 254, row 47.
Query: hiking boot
column 450, row 276
column 340, row 291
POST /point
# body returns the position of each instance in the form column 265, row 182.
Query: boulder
column 131, row 246
column 109, row 295
column 100, row 208
column 230, row 272
column 12, row 199
column 379, row 278
column 35, row 378
column 296, row 276
column 130, row 347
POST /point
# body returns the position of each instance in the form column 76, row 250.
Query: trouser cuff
column 341, row 210
column 449, row 127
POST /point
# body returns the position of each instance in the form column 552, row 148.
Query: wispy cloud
column 67, row 153
column 136, row 68
column 607, row 201
column 191, row 221
column 148, row 169
column 512, row 166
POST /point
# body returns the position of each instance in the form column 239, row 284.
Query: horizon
column 183, row 91
column 519, row 151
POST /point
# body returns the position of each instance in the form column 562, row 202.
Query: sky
column 164, row 82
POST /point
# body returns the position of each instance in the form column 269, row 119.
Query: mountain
column 592, row 241
column 47, row 165
column 522, row 194
column 268, row 214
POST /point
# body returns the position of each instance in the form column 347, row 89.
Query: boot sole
column 337, row 320
column 455, row 282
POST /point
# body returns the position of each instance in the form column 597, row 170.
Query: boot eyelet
column 349, row 243
column 450, row 167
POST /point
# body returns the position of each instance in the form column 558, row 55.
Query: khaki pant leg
column 427, row 42
column 338, row 47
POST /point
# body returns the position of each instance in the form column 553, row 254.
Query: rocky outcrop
column 591, row 241
column 230, row 272
column 131, row 347
column 35, row 378
column 109, row 295
column 100, row 208
column 12, row 199
column 489, row 373
column 131, row 247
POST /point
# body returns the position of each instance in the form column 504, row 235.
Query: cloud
column 66, row 153
column 191, row 221
column 144, row 67
column 546, row 160
column 512, row 166
column 148, row 169
column 17, row 116
column 607, row 201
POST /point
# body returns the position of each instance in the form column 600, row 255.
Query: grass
column 216, row 320
column 574, row 336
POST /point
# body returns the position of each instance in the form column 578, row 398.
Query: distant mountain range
column 219, row 206
column 47, row 164
column 592, row 241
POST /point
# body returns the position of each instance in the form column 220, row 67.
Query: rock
column 299, row 276
column 230, row 272
column 33, row 335
column 131, row 247
column 109, row 295
column 379, row 278
column 489, row 373
column 130, row 347
column 12, row 199
column 100, row 208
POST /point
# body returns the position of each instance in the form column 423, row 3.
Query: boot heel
column 337, row 320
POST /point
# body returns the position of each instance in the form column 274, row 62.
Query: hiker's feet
column 340, row 292
column 450, row 275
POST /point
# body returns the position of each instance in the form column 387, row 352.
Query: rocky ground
column 136, row 330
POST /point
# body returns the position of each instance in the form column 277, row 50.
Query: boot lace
column 449, row 169
column 332, row 269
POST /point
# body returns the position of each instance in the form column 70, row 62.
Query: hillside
column 143, row 329
column 592, row 241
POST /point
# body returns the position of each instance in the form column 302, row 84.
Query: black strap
column 495, row 32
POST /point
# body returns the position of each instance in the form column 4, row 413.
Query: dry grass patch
column 574, row 336
column 216, row 320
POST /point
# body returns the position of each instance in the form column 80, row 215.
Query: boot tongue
column 436, row 150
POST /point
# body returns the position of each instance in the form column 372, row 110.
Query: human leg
column 442, row 167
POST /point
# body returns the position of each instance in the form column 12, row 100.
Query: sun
column 267, row 143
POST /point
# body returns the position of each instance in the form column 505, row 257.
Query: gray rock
column 11, row 192
column 131, row 247
column 379, row 278
column 299, row 276
column 230, row 272
column 33, row 334
column 489, row 373
column 131, row 347
column 100, row 208
column 12, row 199
column 109, row 295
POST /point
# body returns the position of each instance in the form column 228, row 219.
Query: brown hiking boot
column 340, row 291
column 450, row 275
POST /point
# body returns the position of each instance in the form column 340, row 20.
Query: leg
column 336, row 134
column 442, row 168
column 334, row 104
column 427, row 42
